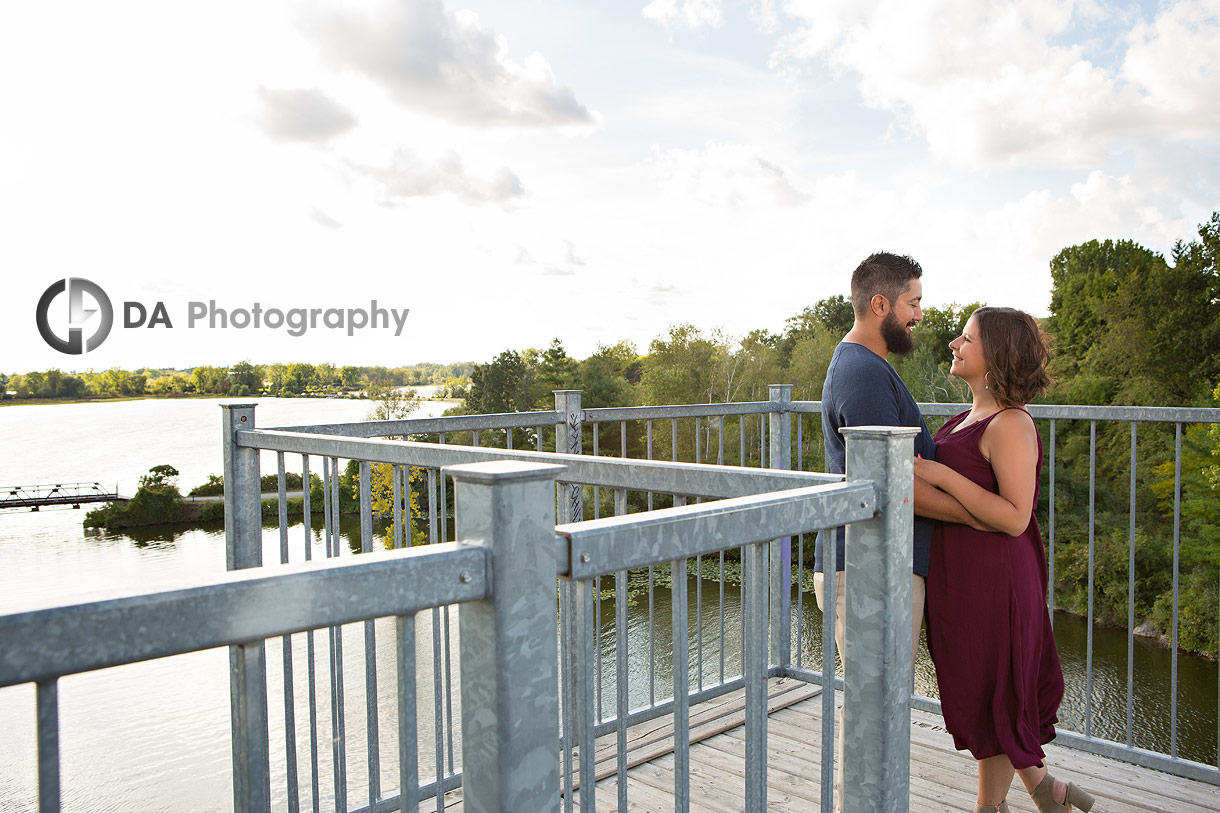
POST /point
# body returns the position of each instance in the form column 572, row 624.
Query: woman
column 989, row 631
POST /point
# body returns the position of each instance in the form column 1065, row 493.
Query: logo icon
column 78, row 315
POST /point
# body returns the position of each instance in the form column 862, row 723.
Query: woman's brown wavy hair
column 1016, row 352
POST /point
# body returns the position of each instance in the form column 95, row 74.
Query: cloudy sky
column 517, row 170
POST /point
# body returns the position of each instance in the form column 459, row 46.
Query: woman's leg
column 995, row 778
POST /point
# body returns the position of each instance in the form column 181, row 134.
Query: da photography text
column 295, row 321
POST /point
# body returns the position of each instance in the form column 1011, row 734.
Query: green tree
column 553, row 370
column 211, row 380
column 300, row 377
column 391, row 403
column 1097, row 297
column 608, row 377
column 276, row 375
column 504, row 385
column 327, row 376
column 350, row 377
column 245, row 379
column 686, row 367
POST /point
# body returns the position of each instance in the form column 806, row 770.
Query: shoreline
column 363, row 396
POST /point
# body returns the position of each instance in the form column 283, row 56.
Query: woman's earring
column 987, row 379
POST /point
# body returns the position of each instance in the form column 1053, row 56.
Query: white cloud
column 305, row 114
column 691, row 14
column 725, row 175
column 1173, row 60
column 408, row 174
column 1011, row 84
column 446, row 63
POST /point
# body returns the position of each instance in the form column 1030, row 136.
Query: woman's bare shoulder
column 1009, row 427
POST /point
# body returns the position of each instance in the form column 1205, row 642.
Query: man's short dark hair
column 881, row 273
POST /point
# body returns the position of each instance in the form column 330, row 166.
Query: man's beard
column 897, row 340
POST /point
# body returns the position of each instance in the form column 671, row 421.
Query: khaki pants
column 918, row 585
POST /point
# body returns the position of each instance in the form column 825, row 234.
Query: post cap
column 501, row 471
column 880, row 431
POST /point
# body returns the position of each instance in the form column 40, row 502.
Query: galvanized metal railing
column 789, row 431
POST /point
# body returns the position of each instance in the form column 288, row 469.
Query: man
column 862, row 389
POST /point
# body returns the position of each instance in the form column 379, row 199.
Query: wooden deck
column 942, row 779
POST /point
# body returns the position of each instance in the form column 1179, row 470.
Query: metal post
column 568, row 441
column 780, row 455
column 247, row 663
column 877, row 660
column 509, row 647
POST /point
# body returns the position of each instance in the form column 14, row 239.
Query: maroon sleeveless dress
column 989, row 630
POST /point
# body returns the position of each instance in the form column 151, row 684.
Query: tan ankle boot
column 1044, row 797
column 1002, row 807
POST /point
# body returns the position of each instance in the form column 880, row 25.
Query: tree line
column 242, row 379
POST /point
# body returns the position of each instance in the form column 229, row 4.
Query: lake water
column 155, row 736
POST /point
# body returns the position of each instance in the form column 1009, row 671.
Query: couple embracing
column 980, row 575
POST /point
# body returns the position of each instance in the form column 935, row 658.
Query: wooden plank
column 942, row 778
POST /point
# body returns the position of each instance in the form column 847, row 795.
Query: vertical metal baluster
column 444, row 517
column 588, row 642
column 370, row 644
column 755, row 606
column 699, row 570
column 800, row 466
column 1177, row 547
column 650, row 458
column 474, row 438
column 1131, row 599
column 290, row 720
column 538, row 438
column 720, row 440
column 437, row 483
column 337, row 714
column 307, row 482
column 397, row 475
column 652, row 628
column 762, row 440
column 699, row 619
column 741, row 452
column 327, row 509
column 681, row 688
column 830, row 584
column 432, row 510
column 620, row 683
column 306, row 508
column 567, row 705
column 509, row 438
column 1050, row 585
column 408, row 728
column 438, row 710
column 282, row 505
column 47, row 702
column 722, row 616
column 622, row 435
column 673, row 436
column 449, row 686
column 800, row 601
column 597, row 505
column 1088, row 672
